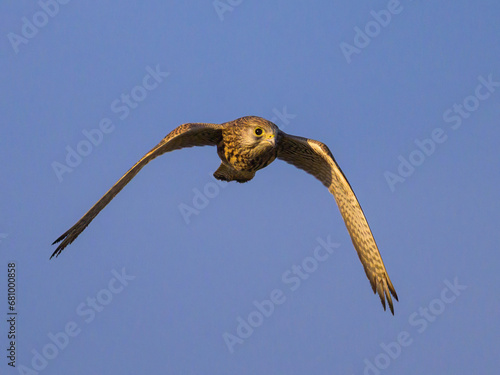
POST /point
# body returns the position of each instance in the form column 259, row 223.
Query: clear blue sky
column 406, row 95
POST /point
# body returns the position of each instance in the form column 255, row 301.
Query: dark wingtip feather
column 385, row 292
column 61, row 246
column 389, row 302
column 59, row 239
column 57, row 252
column 394, row 295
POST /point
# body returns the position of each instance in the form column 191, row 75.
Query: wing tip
column 384, row 288
column 59, row 239
column 58, row 251
column 65, row 242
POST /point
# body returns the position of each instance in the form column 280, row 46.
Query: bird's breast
column 245, row 158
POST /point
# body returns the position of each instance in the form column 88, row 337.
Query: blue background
column 194, row 280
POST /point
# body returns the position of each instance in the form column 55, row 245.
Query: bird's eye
column 258, row 131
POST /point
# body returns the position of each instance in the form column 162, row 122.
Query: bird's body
column 246, row 145
column 242, row 152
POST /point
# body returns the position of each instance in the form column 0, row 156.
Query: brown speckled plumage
column 243, row 152
column 315, row 158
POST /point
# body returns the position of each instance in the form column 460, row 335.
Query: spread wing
column 186, row 135
column 315, row 158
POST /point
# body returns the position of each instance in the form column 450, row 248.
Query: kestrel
column 246, row 145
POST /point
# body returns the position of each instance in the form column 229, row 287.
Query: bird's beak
column 271, row 139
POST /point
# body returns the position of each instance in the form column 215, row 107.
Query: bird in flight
column 246, row 145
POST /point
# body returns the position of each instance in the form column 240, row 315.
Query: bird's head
column 258, row 133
